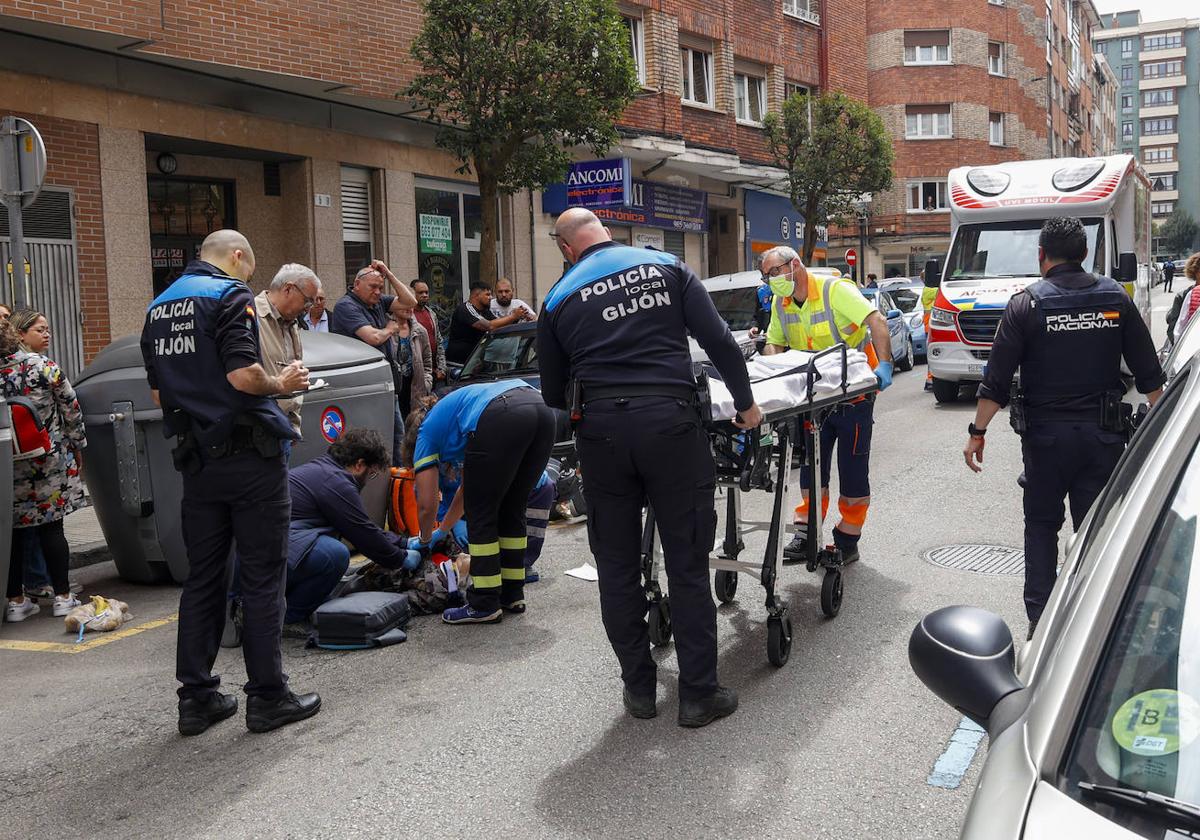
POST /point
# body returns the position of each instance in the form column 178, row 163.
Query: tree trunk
column 489, row 207
column 810, row 231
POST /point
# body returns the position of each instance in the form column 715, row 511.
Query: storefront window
column 182, row 212
column 449, row 228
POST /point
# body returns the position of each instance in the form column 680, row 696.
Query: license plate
column 975, row 368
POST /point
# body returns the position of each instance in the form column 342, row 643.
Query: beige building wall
column 126, row 227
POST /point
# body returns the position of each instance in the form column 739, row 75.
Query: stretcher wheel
column 779, row 639
column 831, row 592
column 660, row 622
column 725, row 585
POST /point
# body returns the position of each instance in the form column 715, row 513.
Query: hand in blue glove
column 460, row 532
column 883, row 372
column 415, row 544
column 412, row 560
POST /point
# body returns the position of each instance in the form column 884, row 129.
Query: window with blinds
column 49, row 217
column 357, row 228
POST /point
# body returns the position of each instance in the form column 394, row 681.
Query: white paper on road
column 585, row 572
column 776, row 389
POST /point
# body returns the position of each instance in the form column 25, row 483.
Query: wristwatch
column 975, row 431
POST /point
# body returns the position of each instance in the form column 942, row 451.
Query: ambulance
column 996, row 213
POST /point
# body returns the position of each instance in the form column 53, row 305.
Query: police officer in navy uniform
column 1067, row 333
column 200, row 345
column 617, row 323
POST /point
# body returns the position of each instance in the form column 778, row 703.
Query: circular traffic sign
column 851, row 256
column 333, row 423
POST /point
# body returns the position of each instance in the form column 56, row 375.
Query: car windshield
column 1005, row 249
column 497, row 355
column 1140, row 724
column 736, row 306
column 907, row 299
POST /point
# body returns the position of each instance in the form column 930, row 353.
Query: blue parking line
column 952, row 765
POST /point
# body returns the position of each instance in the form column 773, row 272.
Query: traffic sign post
column 22, row 172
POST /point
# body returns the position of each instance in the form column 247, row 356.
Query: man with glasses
column 280, row 307
column 366, row 313
column 811, row 312
column 327, row 509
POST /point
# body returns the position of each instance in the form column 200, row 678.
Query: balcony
column 1161, row 168
column 1162, row 55
column 1159, row 111
column 1163, row 82
column 801, row 9
column 1159, row 140
column 1165, row 195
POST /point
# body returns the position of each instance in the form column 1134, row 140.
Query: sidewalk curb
column 89, row 554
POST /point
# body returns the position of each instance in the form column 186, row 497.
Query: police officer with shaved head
column 1067, row 333
column 615, row 329
column 202, row 352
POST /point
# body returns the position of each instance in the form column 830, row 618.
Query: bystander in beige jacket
column 279, row 309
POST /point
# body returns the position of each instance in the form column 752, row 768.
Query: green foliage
column 1178, row 232
column 513, row 85
column 834, row 149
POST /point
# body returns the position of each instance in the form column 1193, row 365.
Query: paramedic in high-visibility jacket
column 617, row 323
column 813, row 312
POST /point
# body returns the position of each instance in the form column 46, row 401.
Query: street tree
column 512, row 86
column 1178, row 232
column 833, row 149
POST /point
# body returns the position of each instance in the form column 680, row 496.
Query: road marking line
column 952, row 764
column 90, row 644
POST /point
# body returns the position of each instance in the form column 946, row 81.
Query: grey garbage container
column 135, row 488
column 6, row 490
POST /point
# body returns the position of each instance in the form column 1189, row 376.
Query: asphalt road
column 518, row 730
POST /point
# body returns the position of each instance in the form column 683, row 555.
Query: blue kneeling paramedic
column 502, row 434
column 615, row 327
column 200, row 346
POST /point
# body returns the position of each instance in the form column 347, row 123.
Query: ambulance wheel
column 660, row 622
column 725, row 585
column 945, row 391
column 779, row 639
column 831, row 592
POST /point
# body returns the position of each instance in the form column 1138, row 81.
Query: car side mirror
column 894, row 313
column 454, row 373
column 965, row 656
column 933, row 274
column 1127, row 267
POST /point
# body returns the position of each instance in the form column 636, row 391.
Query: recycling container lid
column 122, row 354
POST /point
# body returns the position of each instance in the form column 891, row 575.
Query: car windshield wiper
column 1176, row 811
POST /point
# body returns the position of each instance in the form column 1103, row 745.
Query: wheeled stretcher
column 802, row 392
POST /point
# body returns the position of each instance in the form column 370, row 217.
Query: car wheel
column 906, row 361
column 945, row 391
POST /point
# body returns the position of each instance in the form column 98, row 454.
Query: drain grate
column 981, row 559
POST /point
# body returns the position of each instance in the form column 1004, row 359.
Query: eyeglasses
column 373, row 474
column 774, row 272
column 308, row 302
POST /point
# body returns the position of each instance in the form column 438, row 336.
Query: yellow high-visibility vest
column 815, row 325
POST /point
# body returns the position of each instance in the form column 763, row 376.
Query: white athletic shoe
column 62, row 605
column 21, row 611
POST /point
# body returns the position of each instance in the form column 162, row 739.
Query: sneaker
column 928, row 384
column 470, row 615
column 297, row 630
column 695, row 713
column 516, row 607
column 36, row 592
column 21, row 611
column 531, row 576
column 196, row 715
column 62, row 606
column 797, row 550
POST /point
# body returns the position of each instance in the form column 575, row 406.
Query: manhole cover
column 981, row 559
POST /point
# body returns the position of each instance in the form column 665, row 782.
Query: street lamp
column 863, row 205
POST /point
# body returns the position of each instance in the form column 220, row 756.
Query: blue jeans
column 314, row 577
column 36, row 573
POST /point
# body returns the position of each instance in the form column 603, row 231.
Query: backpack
column 402, row 507
column 361, row 621
column 30, row 437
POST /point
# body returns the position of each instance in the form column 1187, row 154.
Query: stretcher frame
column 748, row 461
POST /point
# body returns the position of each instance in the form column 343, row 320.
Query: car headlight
column 941, row 318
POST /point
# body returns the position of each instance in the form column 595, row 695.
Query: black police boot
column 797, row 550
column 721, row 703
column 263, row 715
column 644, row 707
column 847, row 544
column 196, row 715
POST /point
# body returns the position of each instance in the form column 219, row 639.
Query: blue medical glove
column 460, row 532
column 412, row 560
column 883, row 372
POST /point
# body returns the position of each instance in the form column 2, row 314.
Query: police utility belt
column 189, row 455
column 1113, row 414
column 579, row 395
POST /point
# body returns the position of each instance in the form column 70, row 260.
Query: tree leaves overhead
column 513, row 85
column 1178, row 232
column 834, row 149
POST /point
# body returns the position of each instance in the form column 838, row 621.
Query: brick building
column 165, row 120
column 957, row 83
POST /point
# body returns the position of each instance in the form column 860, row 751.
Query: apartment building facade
column 1158, row 67
column 977, row 82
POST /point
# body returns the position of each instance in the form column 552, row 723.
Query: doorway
column 449, row 229
column 182, row 212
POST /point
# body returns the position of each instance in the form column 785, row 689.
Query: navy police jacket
column 622, row 315
column 198, row 330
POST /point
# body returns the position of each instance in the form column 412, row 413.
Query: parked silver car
column 1095, row 727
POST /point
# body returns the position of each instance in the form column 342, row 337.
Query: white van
column 996, row 214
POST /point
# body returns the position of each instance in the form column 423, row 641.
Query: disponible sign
column 599, row 183
column 436, row 235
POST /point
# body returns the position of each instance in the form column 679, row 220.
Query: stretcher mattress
column 781, row 381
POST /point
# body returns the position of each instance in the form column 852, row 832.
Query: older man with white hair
column 279, row 307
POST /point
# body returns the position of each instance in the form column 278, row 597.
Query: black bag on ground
column 360, row 621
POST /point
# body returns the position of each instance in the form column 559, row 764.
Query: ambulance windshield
column 1009, row 249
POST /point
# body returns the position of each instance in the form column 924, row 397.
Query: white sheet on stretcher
column 776, row 392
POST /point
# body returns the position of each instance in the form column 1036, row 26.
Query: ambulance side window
column 1116, row 250
column 1100, row 262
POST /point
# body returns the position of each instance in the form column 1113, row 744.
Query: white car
column 736, row 298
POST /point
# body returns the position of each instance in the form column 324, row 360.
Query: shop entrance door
column 182, row 212
column 449, row 229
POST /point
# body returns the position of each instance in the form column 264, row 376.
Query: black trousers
column 242, row 500
column 654, row 449
column 1063, row 460
column 505, row 458
column 54, row 548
